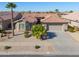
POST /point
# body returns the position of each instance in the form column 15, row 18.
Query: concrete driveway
column 63, row 43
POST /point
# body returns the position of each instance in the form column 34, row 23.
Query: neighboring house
column 5, row 19
column 73, row 18
column 51, row 21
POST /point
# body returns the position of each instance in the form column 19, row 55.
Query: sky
column 42, row 6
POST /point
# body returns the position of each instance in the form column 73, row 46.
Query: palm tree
column 71, row 11
column 11, row 6
column 56, row 10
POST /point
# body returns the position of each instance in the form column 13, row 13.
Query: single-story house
column 73, row 18
column 5, row 19
column 51, row 21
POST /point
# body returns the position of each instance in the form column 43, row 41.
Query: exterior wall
column 4, row 24
column 64, row 27
column 48, row 26
column 0, row 26
column 72, row 23
column 18, row 26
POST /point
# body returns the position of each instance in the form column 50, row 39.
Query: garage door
column 55, row 27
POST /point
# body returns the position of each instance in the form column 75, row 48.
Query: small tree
column 71, row 11
column 38, row 30
column 57, row 10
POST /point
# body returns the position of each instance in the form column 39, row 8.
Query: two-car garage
column 57, row 27
column 55, row 23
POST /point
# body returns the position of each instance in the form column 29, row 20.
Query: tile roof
column 54, row 19
column 7, row 15
column 48, row 17
column 72, row 16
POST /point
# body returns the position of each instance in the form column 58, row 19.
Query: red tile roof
column 48, row 17
column 72, row 16
column 7, row 15
column 54, row 19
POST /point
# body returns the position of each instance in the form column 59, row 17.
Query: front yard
column 21, row 45
column 59, row 43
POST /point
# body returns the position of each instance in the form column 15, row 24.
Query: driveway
column 63, row 43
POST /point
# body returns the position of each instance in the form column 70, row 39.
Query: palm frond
column 11, row 5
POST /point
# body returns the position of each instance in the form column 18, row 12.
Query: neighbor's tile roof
column 72, row 16
column 7, row 15
column 48, row 17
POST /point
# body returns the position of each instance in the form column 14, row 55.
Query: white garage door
column 55, row 27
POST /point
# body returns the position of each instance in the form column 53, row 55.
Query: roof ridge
column 47, row 16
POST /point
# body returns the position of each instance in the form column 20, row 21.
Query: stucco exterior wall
column 74, row 23
column 0, row 26
column 17, row 26
column 4, row 24
column 48, row 26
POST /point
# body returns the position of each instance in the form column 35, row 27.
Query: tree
column 56, row 10
column 11, row 6
column 71, row 11
column 29, row 11
column 38, row 30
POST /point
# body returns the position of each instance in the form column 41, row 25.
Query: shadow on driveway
column 51, row 35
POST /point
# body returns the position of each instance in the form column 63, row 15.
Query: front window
column 21, row 26
column 28, row 26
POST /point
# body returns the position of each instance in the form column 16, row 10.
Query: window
column 21, row 26
column 28, row 26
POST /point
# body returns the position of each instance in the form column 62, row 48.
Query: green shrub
column 2, row 31
column 7, row 47
column 37, row 47
column 71, row 29
column 26, row 34
column 38, row 30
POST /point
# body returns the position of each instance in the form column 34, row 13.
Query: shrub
column 76, row 28
column 71, row 29
column 38, row 30
column 2, row 31
column 37, row 47
column 7, row 47
column 26, row 34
